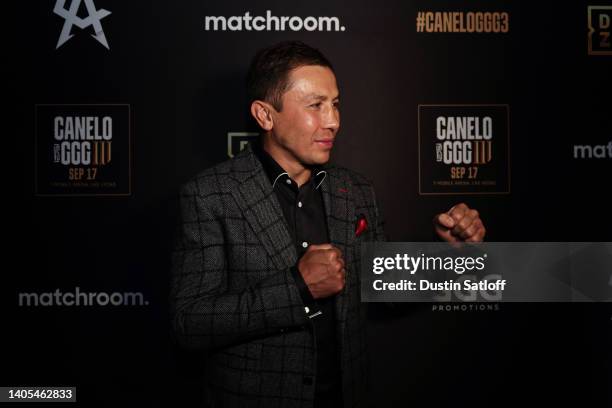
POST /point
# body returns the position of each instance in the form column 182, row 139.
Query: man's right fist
column 322, row 268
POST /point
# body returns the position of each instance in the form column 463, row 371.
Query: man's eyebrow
column 318, row 97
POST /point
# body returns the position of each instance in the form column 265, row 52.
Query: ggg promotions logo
column 463, row 149
column 83, row 150
column 71, row 18
column 600, row 28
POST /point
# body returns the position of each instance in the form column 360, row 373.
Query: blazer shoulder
column 362, row 188
column 356, row 178
column 213, row 180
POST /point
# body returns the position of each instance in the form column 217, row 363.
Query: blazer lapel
column 340, row 212
column 339, row 209
column 256, row 199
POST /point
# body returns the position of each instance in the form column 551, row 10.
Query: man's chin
column 320, row 158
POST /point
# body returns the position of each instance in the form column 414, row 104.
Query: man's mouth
column 325, row 142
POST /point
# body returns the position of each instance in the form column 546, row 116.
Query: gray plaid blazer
column 234, row 297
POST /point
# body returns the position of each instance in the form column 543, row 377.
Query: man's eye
column 336, row 105
column 316, row 105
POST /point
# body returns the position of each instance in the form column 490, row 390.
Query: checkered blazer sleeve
column 206, row 314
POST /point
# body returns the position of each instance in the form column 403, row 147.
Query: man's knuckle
column 469, row 232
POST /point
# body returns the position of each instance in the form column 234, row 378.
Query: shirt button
column 288, row 181
column 307, row 309
column 300, row 204
column 304, row 244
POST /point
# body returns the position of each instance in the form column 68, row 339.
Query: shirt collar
column 275, row 172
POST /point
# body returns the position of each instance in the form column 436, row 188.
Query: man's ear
column 261, row 111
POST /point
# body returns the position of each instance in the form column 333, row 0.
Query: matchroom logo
column 83, row 150
column 271, row 22
column 463, row 149
column 602, row 151
column 600, row 28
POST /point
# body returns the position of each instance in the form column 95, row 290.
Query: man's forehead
column 313, row 82
column 310, row 68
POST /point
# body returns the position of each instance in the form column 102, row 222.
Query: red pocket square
column 362, row 225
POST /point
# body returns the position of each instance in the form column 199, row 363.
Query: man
column 265, row 276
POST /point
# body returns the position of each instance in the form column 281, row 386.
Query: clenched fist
column 322, row 268
column 460, row 223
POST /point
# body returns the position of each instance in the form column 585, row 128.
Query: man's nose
column 331, row 119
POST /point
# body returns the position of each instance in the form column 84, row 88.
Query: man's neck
column 296, row 170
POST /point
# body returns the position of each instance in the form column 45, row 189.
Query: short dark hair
column 268, row 76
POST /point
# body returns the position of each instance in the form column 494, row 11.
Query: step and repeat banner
column 503, row 105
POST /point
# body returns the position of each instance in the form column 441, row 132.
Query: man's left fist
column 460, row 223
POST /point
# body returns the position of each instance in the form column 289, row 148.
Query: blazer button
column 308, row 380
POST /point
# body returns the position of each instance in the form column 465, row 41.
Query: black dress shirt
column 304, row 212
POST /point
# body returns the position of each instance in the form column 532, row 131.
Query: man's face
column 305, row 129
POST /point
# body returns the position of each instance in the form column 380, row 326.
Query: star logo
column 70, row 16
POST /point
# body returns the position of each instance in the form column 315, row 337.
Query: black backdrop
column 185, row 89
